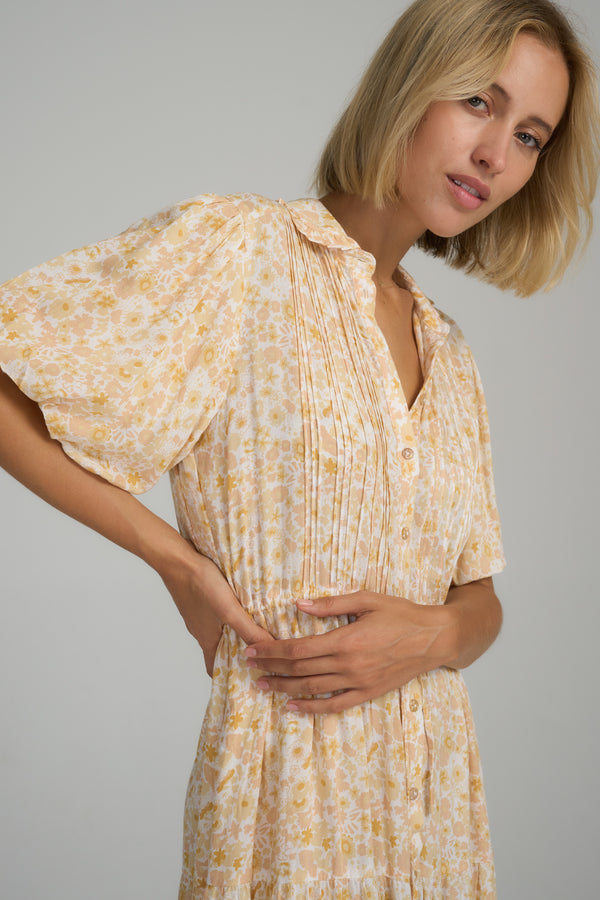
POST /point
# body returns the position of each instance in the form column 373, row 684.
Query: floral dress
column 232, row 341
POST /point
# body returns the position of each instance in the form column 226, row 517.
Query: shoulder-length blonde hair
column 449, row 50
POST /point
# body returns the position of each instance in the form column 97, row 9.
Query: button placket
column 417, row 762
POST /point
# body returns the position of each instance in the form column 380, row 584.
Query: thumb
column 226, row 606
column 242, row 622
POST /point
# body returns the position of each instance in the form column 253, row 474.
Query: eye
column 528, row 140
column 477, row 103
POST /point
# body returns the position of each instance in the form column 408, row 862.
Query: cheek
column 518, row 186
column 521, row 175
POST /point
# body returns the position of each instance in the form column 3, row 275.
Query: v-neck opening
column 417, row 330
column 315, row 221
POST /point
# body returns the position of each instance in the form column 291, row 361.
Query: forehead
column 535, row 79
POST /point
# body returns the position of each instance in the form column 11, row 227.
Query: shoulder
column 206, row 223
column 250, row 207
column 213, row 209
column 261, row 215
column 258, row 217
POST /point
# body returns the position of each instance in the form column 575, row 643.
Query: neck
column 387, row 234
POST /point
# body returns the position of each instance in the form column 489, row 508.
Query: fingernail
column 292, row 706
column 305, row 602
column 263, row 684
column 250, row 651
column 252, row 664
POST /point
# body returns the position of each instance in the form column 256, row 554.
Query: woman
column 326, row 436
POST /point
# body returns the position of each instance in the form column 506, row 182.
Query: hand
column 390, row 641
column 206, row 601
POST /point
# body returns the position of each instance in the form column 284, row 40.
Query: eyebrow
column 536, row 119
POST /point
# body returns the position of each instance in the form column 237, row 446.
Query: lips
column 473, row 186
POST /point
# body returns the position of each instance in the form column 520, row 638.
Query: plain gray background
column 111, row 111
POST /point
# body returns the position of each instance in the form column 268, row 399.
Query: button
column 413, row 705
column 407, row 453
column 413, row 793
column 405, row 534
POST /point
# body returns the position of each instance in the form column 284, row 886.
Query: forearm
column 28, row 453
column 475, row 621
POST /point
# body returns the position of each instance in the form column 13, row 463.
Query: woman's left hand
column 390, row 641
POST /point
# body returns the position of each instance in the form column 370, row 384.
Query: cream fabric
column 233, row 342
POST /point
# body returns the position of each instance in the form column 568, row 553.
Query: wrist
column 438, row 629
column 169, row 554
column 445, row 620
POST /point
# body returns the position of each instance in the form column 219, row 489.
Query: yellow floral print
column 233, row 342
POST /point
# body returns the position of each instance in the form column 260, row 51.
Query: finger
column 312, row 646
column 336, row 704
column 316, row 684
column 299, row 668
column 339, row 605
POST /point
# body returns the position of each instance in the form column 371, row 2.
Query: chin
column 440, row 233
column 449, row 232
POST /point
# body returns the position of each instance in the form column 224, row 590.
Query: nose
column 492, row 150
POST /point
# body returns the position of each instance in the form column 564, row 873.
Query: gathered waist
column 282, row 619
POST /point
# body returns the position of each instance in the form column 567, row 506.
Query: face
column 471, row 155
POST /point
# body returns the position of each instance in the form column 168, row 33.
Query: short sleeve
column 128, row 345
column 482, row 554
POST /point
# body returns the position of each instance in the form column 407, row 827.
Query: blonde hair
column 449, row 50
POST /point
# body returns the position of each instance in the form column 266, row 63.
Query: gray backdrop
column 111, row 111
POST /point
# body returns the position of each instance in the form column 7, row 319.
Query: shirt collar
column 433, row 324
column 314, row 220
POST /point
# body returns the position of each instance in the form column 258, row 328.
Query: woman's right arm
column 201, row 593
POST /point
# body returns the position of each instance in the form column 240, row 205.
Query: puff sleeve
column 482, row 553
column 128, row 345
